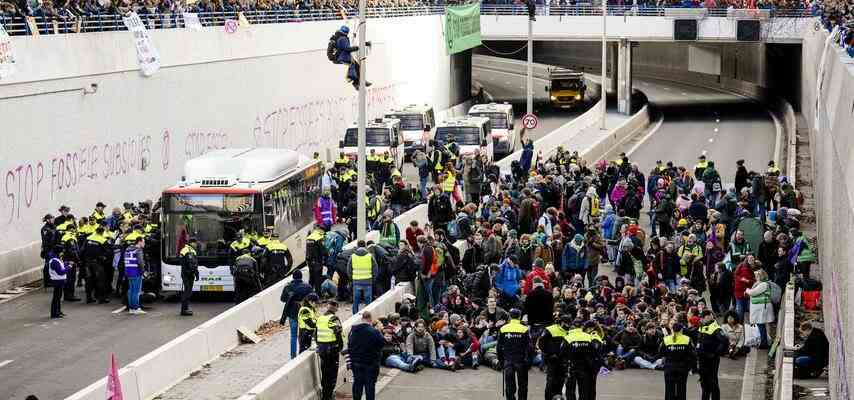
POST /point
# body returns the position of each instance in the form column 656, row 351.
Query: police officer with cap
column 329, row 344
column 679, row 360
column 581, row 349
column 712, row 343
column 550, row 344
column 245, row 272
column 279, row 260
column 515, row 351
column 189, row 273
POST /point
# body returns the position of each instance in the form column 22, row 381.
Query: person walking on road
column 679, row 360
column 292, row 295
column 712, row 344
column 57, row 273
column 329, row 343
column 307, row 317
column 134, row 269
column 515, row 351
column 364, row 345
column 189, row 274
column 363, row 269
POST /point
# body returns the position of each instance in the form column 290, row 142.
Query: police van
column 470, row 133
column 416, row 123
column 381, row 135
column 503, row 134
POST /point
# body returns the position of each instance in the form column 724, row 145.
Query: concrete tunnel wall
column 742, row 66
column 828, row 108
column 266, row 85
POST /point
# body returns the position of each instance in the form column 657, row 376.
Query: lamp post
column 361, row 214
column 604, row 94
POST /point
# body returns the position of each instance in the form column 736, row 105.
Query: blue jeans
column 804, row 361
column 294, row 334
column 428, row 288
column 134, row 287
column 625, row 354
column 328, row 288
column 444, row 354
column 671, row 285
column 361, row 293
column 741, row 307
column 403, row 361
column 422, row 186
column 763, row 334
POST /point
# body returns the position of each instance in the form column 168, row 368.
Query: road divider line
column 120, row 309
column 749, row 372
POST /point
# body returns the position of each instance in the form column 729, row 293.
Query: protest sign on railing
column 7, row 54
column 146, row 53
column 191, row 21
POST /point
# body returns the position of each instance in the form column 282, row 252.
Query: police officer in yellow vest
column 550, row 344
column 279, row 260
column 240, row 243
column 384, row 164
column 515, row 353
column 329, row 344
column 71, row 258
column 342, row 161
column 373, row 205
column 711, row 344
column 189, row 273
column 307, row 321
column 372, row 163
column 700, row 168
column 581, row 350
column 363, row 269
column 436, row 161
column 95, row 255
column 448, row 183
column 98, row 215
column 679, row 360
column 772, row 168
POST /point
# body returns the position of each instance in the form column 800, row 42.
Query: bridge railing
column 19, row 25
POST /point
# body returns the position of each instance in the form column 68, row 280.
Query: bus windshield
column 463, row 135
column 375, row 137
column 409, row 122
column 213, row 219
column 499, row 120
column 566, row 84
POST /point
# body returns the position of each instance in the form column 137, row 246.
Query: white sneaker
column 137, row 312
column 140, row 311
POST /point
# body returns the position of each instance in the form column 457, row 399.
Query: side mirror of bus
column 340, row 144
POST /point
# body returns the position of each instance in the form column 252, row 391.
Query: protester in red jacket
column 538, row 271
column 743, row 279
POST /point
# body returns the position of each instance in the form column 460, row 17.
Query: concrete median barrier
column 171, row 363
column 221, row 330
column 618, row 135
column 98, row 390
column 297, row 380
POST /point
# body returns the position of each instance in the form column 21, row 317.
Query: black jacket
column 711, row 342
column 515, row 348
column 292, row 295
column 439, row 209
column 364, row 345
column 404, row 267
column 817, row 347
column 539, row 306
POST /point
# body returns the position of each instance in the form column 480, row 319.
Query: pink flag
column 114, row 386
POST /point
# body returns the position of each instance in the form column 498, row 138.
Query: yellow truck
column 566, row 88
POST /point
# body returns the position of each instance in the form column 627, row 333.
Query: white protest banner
column 7, row 54
column 191, row 21
column 149, row 59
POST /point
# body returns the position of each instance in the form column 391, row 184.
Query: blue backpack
column 333, row 243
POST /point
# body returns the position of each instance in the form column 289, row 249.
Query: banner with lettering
column 7, row 54
column 191, row 21
column 146, row 53
column 462, row 27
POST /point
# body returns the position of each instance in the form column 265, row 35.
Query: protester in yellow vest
column 363, row 269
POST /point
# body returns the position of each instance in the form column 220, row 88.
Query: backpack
column 454, row 229
column 332, row 49
column 776, row 292
column 333, row 242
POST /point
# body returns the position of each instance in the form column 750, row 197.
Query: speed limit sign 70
column 529, row 121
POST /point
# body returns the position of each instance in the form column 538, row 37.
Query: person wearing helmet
column 342, row 44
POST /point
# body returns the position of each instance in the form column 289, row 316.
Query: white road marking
column 666, row 88
column 118, row 310
column 717, row 120
column 5, row 363
column 684, row 94
column 711, row 140
column 716, row 130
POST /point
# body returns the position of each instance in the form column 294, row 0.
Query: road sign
column 529, row 121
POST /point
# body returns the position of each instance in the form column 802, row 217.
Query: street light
column 361, row 215
column 604, row 93
column 530, row 71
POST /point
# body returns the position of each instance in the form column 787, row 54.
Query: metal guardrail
column 112, row 22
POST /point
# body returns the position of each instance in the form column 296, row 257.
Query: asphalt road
column 55, row 358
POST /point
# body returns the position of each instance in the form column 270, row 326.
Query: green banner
column 462, row 27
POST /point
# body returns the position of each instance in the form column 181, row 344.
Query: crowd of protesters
column 837, row 15
column 540, row 240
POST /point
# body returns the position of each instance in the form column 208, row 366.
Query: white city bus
column 224, row 191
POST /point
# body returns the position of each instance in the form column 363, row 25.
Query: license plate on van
column 212, row 288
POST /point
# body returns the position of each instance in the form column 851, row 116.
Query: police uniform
column 71, row 258
column 189, row 274
column 342, row 161
column 514, row 355
column 279, row 261
column 95, row 254
column 307, row 322
column 712, row 343
column 246, row 281
column 700, row 168
column 679, row 360
column 239, row 245
column 384, row 170
column 329, row 343
column 550, row 344
column 581, row 349
column 315, row 255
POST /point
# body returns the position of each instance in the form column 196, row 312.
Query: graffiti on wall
column 319, row 124
column 35, row 183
